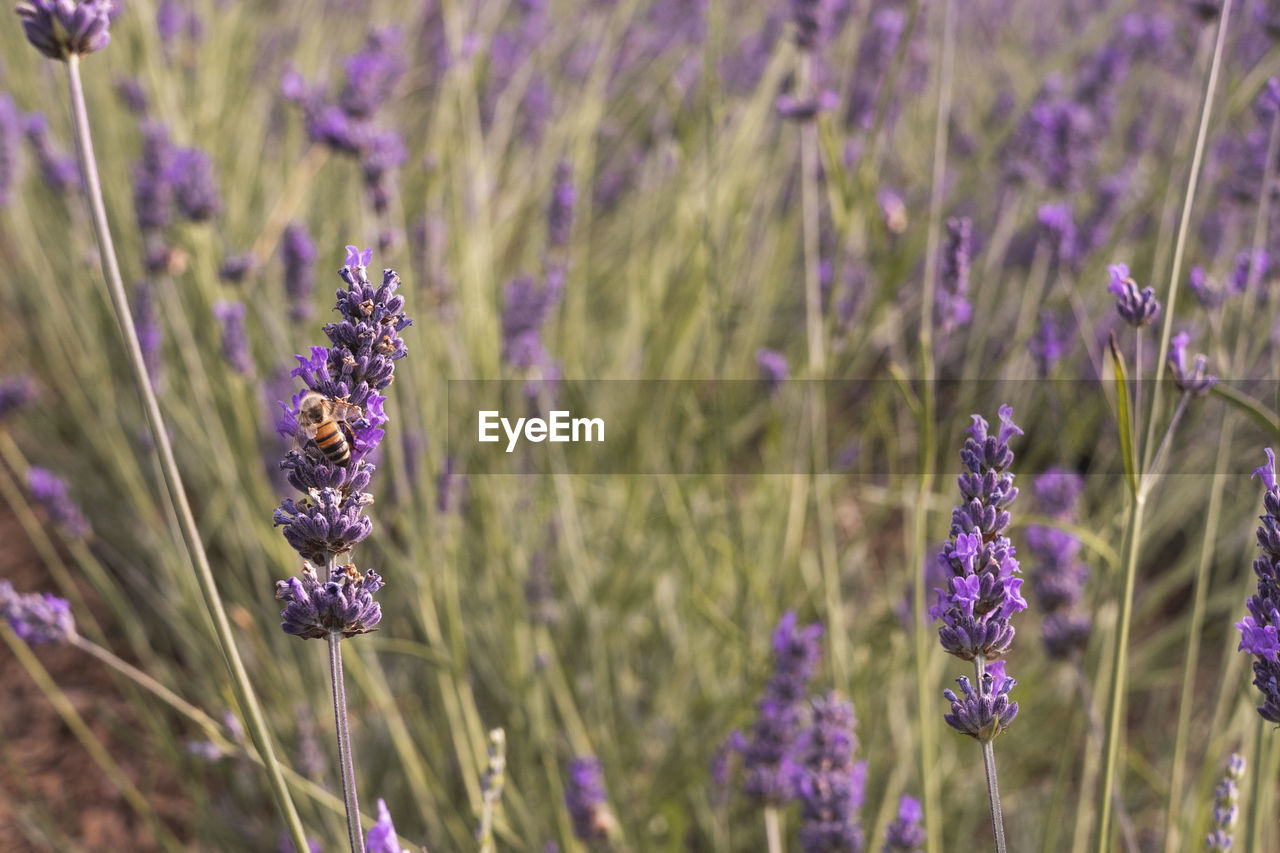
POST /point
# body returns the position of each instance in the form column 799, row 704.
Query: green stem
column 989, row 764
column 1257, row 778
column 254, row 719
column 354, row 835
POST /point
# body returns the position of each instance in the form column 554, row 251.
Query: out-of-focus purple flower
column 50, row 493
column 1050, row 342
column 235, row 340
column 36, row 618
column 766, row 757
column 298, row 253
column 585, row 798
column 893, row 210
column 828, row 782
column 982, row 714
column 153, row 179
column 1258, row 630
column 372, row 73
column 60, row 172
column 1250, row 265
column 194, row 186
column 951, row 306
column 1058, row 581
column 1058, row 221
column 63, row 28
column 10, row 146
column 1137, row 307
column 1267, row 13
column 1206, row 10
column 235, row 267
column 382, row 152
column 16, row 392
column 564, row 197
column 147, row 324
column 382, row 835
column 875, row 52
column 132, row 94
column 1054, row 143
column 1206, row 294
column 451, row 486
column 804, row 109
column 906, row 835
column 525, row 308
column 1196, row 380
column 315, row 609
column 174, row 20
column 773, row 367
column 983, row 590
column 1226, row 805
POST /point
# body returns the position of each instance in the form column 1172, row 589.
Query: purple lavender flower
column 1258, row 630
column 1051, row 341
column 875, row 52
column 1053, row 144
column 1225, row 805
column 830, row 785
column 951, row 308
column 1058, row 221
column 298, row 253
column 63, row 28
column 235, row 340
column 585, row 797
column 372, row 73
column 525, row 308
column 16, row 392
column 1206, row 294
column 564, row 197
column 382, row 153
column 451, row 486
column 174, row 21
column 1137, row 307
column 10, row 143
column 50, row 492
column 382, row 835
column 766, row 757
column 235, row 268
column 60, row 172
column 153, row 179
column 132, row 94
column 1059, row 578
column 905, row 835
column 803, row 109
column 773, row 367
column 1267, row 13
column 313, row 610
column 194, row 187
column 893, row 210
column 147, row 324
column 36, row 618
column 983, row 714
column 1196, row 380
column 1249, row 264
column 983, row 590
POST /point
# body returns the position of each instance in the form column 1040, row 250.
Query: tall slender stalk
column 1133, row 533
column 254, row 719
column 349, row 798
column 928, row 453
column 772, row 829
column 989, row 764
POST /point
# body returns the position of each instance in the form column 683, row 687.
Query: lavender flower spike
column 63, row 28
column 50, row 492
column 952, row 308
column 235, row 340
column 36, row 619
column 585, row 797
column 1258, row 630
column 829, row 783
column 905, row 835
column 1225, row 808
column 983, row 589
column 1196, row 381
column 983, row 714
column 382, row 835
column 1137, row 307
column 560, row 212
column 345, row 605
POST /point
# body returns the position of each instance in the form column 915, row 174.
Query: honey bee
column 325, row 420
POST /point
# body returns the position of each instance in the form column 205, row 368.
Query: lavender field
column 626, row 425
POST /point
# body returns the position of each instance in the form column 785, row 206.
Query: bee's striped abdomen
column 332, row 443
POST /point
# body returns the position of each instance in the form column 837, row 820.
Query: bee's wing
column 348, row 412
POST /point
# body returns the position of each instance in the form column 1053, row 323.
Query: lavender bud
column 63, row 28
column 983, row 714
column 952, row 308
column 372, row 73
column 50, row 492
column 1050, row 342
column 560, row 212
column 235, row 268
column 16, row 392
column 194, row 186
column 132, row 94
column 1246, row 263
column 314, row 610
column 830, row 785
column 773, row 367
column 153, row 179
column 60, row 172
column 1258, row 630
column 235, row 340
column 1206, row 294
column 1193, row 380
column 585, row 798
column 36, row 619
column 382, row 835
column 1138, row 308
column 813, row 20
column 298, row 254
column 906, row 835
column 1225, row 805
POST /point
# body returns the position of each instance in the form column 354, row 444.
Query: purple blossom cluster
column 906, row 834
column 1194, row 379
column 346, row 124
column 329, row 520
column 50, row 493
column 829, row 783
column 951, row 306
column 1057, row 582
column 235, row 340
column 1260, row 630
column 1137, row 306
column 36, row 618
column 63, row 28
column 170, row 183
column 298, row 254
column 586, row 799
column 986, row 712
column 525, row 308
column 60, row 172
column 1225, row 806
column 382, row 835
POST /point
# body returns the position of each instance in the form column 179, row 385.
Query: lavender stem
column 354, row 834
column 254, row 720
column 772, row 829
column 989, row 764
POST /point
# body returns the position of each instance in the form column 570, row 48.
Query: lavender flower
column 813, row 20
column 313, row 610
column 1195, row 381
column 1225, row 808
column 1206, row 294
column 829, row 783
column 16, row 392
column 132, row 94
column 382, row 835
column 525, row 309
column 147, row 324
column 194, row 186
column 951, row 308
column 560, row 212
column 1138, row 308
column 983, row 714
column 773, row 367
column 235, row 268
column 584, row 796
column 372, row 73
column 1258, row 630
column 1058, row 582
column 298, row 253
column 10, row 142
column 63, row 28
column 983, row 590
column 1050, row 342
column 766, row 757
column 60, row 172
column 36, row 618
column 1249, row 263
column 235, row 340
column 1058, row 221
column 875, row 52
column 50, row 492
column 905, row 834
column 153, row 179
